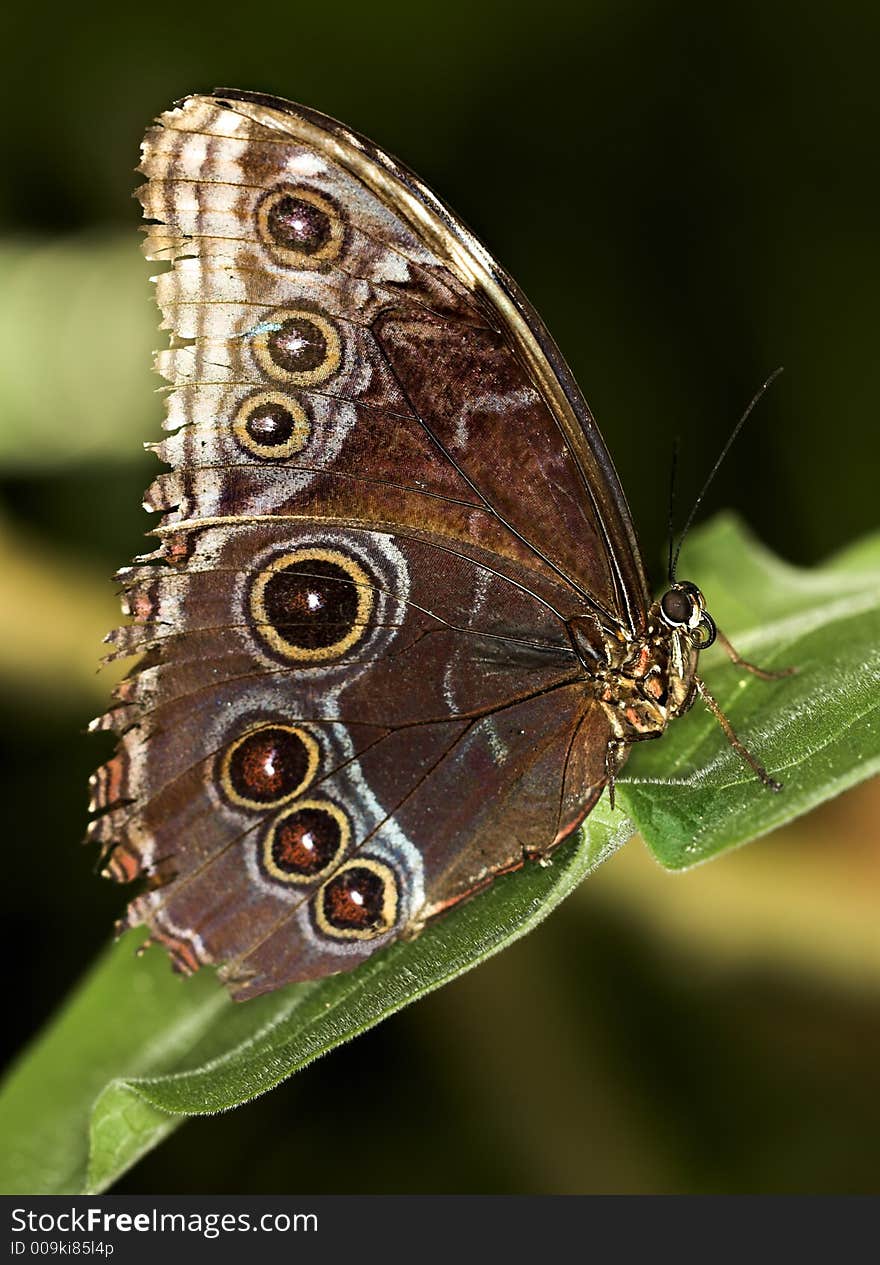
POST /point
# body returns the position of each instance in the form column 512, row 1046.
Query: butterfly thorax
column 644, row 681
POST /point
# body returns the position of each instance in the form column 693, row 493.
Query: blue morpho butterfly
column 397, row 637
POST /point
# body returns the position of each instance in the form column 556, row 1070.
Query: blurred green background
column 689, row 195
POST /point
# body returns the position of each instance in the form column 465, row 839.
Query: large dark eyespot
column 305, row 841
column 311, row 602
column 312, row 605
column 677, row 607
column 300, row 227
column 269, row 765
column 298, row 345
column 359, row 902
column 271, row 426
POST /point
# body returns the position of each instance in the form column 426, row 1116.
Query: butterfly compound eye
column 677, row 607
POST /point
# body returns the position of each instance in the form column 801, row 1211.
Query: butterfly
column 397, row 637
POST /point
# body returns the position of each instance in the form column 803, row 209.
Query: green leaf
column 127, row 1017
column 818, row 732
column 137, row 1050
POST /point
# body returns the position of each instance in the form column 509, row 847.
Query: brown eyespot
column 359, row 902
column 271, row 425
column 298, row 345
column 269, row 765
column 305, row 841
column 312, row 605
column 300, row 227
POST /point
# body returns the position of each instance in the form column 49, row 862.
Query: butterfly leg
column 730, row 733
column 740, row 662
column 614, row 757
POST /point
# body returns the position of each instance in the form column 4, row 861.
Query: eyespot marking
column 269, row 765
column 359, row 902
column 300, row 346
column 305, row 841
column 271, row 425
column 300, row 227
column 312, row 605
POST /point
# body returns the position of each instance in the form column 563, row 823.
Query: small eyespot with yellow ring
column 300, row 346
column 305, row 841
column 300, row 227
column 271, row 425
column 359, row 902
column 269, row 765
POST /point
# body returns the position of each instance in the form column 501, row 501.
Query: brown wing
column 358, row 700
column 443, row 737
column 432, row 333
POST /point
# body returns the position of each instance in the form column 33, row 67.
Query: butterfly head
column 683, row 608
column 679, row 627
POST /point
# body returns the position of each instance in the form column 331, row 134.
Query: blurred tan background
column 689, row 195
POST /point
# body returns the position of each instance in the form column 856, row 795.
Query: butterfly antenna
column 673, row 470
column 724, row 451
